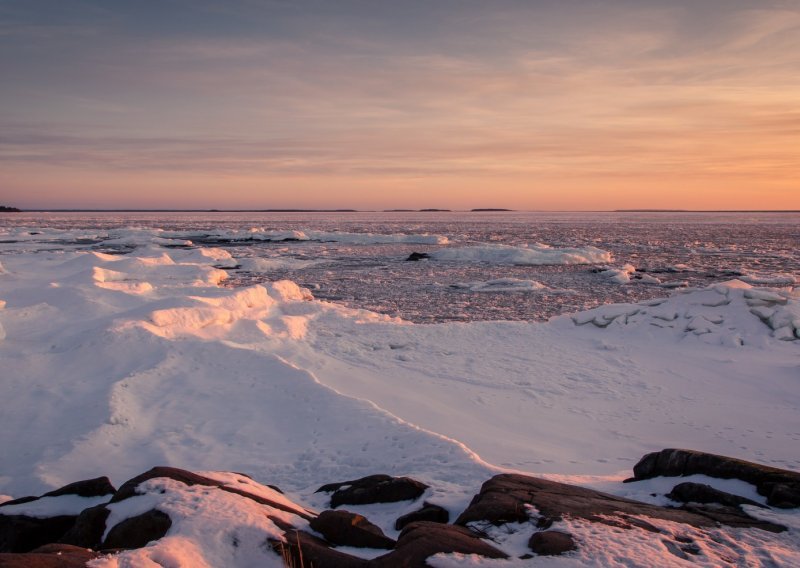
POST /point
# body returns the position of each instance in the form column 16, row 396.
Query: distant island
column 6, row 209
column 488, row 209
column 436, row 210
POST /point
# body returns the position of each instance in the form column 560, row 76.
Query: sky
column 373, row 104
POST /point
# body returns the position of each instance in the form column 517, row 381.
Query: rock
column 49, row 556
column 421, row 540
column 551, row 543
column 350, row 529
column 303, row 549
column 136, row 532
column 20, row 533
column 128, row 489
column 97, row 487
column 374, row 489
column 781, row 487
column 701, row 493
column 429, row 512
column 414, row 256
column 506, row 497
column 88, row 529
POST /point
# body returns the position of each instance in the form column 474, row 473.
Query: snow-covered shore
column 115, row 363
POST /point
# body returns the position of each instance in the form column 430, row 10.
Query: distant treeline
column 7, row 209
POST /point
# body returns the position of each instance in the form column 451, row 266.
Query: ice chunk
column 502, row 285
column 537, row 254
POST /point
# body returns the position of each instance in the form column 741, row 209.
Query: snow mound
column 536, row 254
column 619, row 275
column 726, row 313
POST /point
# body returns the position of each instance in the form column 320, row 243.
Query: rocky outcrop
column 779, row 486
column 136, row 532
column 507, row 498
column 49, row 556
column 420, row 540
column 350, row 529
column 88, row 529
column 702, row 493
column 429, row 512
column 20, row 533
column 23, row 533
column 373, row 489
column 551, row 543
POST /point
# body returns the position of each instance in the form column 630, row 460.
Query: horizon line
column 403, row 210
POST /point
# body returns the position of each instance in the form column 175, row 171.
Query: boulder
column 702, row 493
column 350, row 529
column 136, row 532
column 23, row 533
column 415, row 256
column 781, row 487
column 420, row 540
column 506, row 497
column 551, row 543
column 97, row 487
column 374, row 489
column 49, row 556
column 429, row 512
column 88, row 529
column 128, row 489
column 20, row 533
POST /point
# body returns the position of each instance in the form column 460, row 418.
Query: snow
column 619, row 275
column 535, row 254
column 116, row 363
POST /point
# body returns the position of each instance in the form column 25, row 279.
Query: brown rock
column 350, row 529
column 136, row 532
column 504, row 498
column 702, row 493
column 20, row 533
column 128, row 489
column 88, row 529
column 421, row 540
column 429, row 512
column 781, row 487
column 374, row 489
column 551, row 543
column 97, row 487
column 49, row 556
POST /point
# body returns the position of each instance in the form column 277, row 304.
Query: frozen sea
column 667, row 249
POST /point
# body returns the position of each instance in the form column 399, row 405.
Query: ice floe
column 535, row 254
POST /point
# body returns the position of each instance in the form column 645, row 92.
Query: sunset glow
column 451, row 104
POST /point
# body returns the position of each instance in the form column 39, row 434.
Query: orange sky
column 524, row 105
